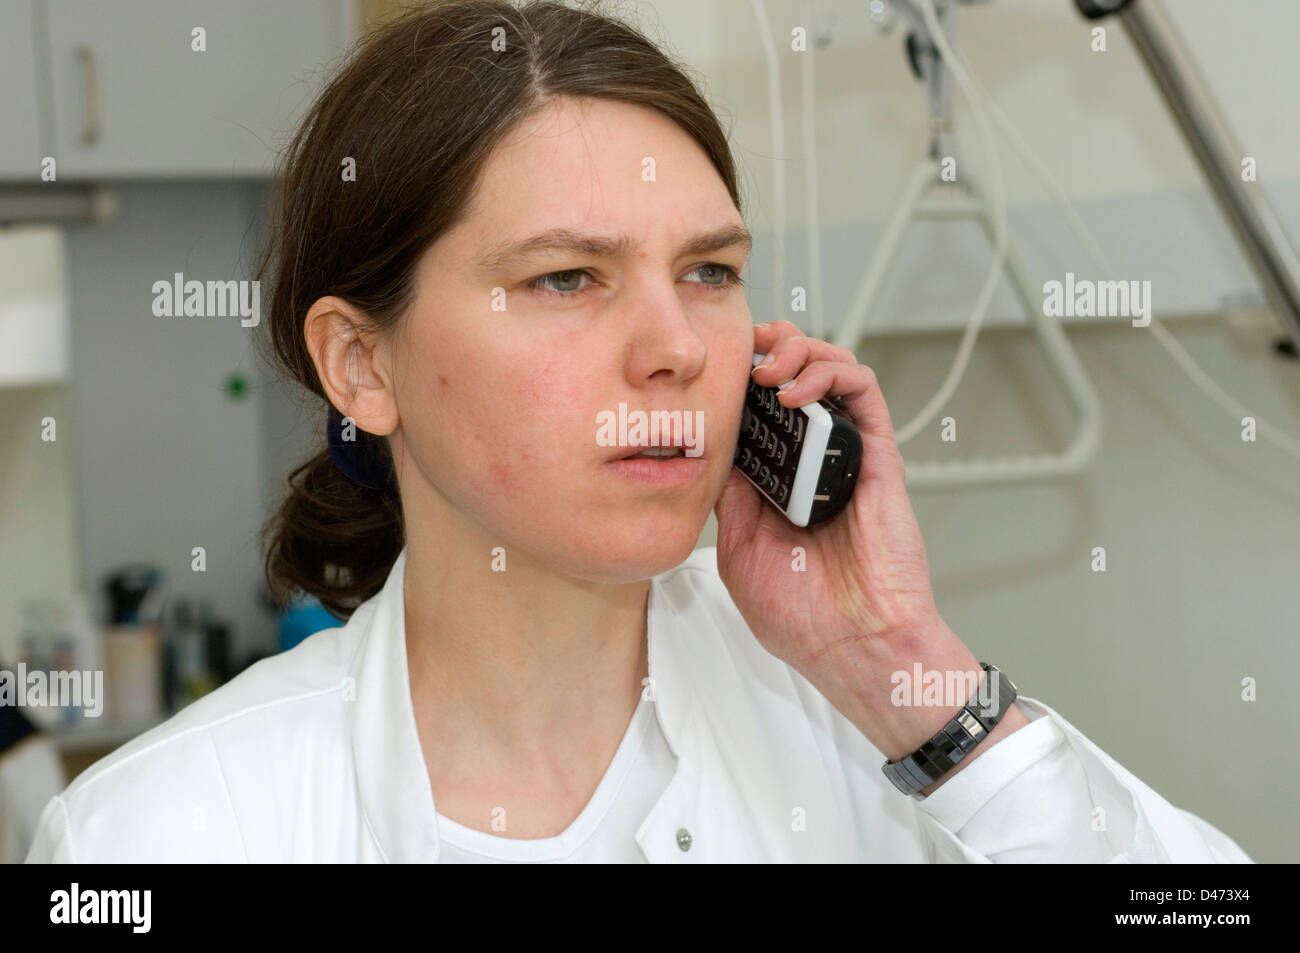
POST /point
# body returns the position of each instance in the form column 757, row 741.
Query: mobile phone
column 804, row 460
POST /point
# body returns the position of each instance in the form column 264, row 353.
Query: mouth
column 650, row 453
column 659, row 446
column 657, row 468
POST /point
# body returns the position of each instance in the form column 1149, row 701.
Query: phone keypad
column 771, row 441
column 770, row 434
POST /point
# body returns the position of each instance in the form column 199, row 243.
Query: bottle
column 185, row 649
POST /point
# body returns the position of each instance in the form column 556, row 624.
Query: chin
column 634, row 549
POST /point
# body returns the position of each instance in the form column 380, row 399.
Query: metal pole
column 1258, row 230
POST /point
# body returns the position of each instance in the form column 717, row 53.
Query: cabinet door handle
column 90, row 127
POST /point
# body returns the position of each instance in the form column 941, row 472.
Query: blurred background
column 139, row 455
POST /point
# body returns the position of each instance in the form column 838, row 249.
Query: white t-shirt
column 605, row 831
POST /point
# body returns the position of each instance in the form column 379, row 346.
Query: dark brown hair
column 419, row 107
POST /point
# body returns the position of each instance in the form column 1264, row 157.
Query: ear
column 352, row 364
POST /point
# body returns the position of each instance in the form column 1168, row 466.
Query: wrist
column 899, row 688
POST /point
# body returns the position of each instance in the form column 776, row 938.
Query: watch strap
column 971, row 725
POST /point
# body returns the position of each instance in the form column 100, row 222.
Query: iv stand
column 928, row 196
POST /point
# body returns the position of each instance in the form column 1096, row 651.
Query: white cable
column 998, row 197
column 1273, row 434
column 810, row 180
column 779, row 306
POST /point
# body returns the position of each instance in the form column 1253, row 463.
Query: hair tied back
column 362, row 460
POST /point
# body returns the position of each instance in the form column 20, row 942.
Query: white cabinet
column 127, row 93
column 20, row 140
column 33, row 309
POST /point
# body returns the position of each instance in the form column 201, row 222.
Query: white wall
column 167, row 461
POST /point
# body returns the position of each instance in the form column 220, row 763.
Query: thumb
column 737, row 509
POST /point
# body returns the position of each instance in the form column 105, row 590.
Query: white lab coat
column 313, row 756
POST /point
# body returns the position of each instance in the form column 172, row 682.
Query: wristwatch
column 954, row 741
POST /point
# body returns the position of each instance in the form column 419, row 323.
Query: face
column 510, row 369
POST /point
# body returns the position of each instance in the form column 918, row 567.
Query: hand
column 862, row 606
column 865, row 569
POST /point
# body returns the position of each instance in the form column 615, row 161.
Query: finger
column 788, row 355
column 767, row 335
column 859, row 393
column 771, row 331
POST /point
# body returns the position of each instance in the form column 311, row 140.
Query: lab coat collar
column 393, row 781
column 396, row 799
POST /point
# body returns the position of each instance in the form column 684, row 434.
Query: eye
column 542, row 282
column 728, row 276
column 562, row 283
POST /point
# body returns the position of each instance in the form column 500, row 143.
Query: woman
column 495, row 225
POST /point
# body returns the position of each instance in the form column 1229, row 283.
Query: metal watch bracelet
column 955, row 740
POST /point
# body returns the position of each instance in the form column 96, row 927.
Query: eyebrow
column 603, row 246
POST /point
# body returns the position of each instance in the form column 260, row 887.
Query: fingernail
column 761, row 366
column 765, row 324
column 785, row 387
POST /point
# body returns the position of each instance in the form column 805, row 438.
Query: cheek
column 735, row 362
column 507, row 477
column 507, row 432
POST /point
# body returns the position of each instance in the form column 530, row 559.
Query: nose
column 665, row 346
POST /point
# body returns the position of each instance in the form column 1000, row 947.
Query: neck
column 524, row 663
